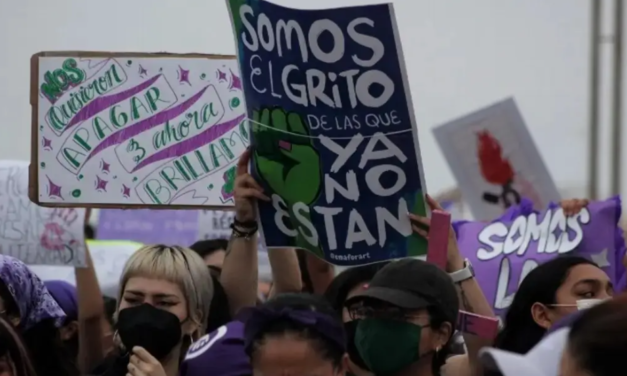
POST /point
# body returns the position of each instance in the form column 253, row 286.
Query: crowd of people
column 201, row 311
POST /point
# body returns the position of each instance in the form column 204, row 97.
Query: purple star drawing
column 184, row 76
column 47, row 144
column 101, row 185
column 221, row 76
column 142, row 71
column 53, row 189
column 126, row 191
column 105, row 167
column 236, row 83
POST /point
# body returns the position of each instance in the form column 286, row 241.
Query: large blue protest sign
column 334, row 138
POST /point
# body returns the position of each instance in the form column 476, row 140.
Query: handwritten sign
column 136, row 129
column 335, row 140
column 503, row 252
column 36, row 235
column 108, row 257
column 169, row 227
column 495, row 161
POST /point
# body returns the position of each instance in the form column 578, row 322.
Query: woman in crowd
column 29, row 307
column 547, row 294
column 295, row 334
column 407, row 317
column 65, row 295
column 597, row 341
column 164, row 300
column 346, row 285
column 14, row 358
column 588, row 343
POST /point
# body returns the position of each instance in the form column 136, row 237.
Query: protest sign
column 169, row 227
column 108, row 258
column 216, row 224
column 333, row 129
column 32, row 234
column 503, row 252
column 135, row 129
column 495, row 161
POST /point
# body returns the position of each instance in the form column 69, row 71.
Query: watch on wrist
column 461, row 275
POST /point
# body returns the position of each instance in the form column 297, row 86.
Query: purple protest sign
column 171, row 227
column 504, row 251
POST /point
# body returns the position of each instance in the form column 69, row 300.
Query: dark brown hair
column 598, row 339
column 11, row 346
column 43, row 341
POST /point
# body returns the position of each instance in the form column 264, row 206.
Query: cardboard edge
column 70, row 53
column 438, row 238
column 33, row 168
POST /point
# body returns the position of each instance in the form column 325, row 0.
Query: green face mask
column 387, row 346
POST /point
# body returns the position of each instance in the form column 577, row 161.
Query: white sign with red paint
column 33, row 234
column 495, row 161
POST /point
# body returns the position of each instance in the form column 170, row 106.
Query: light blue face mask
column 583, row 304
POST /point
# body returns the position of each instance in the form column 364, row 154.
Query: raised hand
column 246, row 191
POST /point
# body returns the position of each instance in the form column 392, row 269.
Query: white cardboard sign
column 108, row 257
column 136, row 129
column 495, row 161
column 34, row 234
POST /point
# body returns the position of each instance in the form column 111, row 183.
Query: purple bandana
column 66, row 296
column 503, row 251
column 260, row 317
column 29, row 293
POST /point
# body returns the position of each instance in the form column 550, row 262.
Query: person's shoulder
column 219, row 353
column 230, row 334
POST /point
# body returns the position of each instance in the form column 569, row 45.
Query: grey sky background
column 461, row 55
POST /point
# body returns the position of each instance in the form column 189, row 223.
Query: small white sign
column 108, row 256
column 33, row 234
column 495, row 161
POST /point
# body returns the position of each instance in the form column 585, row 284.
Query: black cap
column 413, row 284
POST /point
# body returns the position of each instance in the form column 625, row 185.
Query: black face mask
column 351, row 328
column 154, row 329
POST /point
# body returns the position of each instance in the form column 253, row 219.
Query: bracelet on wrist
column 245, row 224
column 246, row 233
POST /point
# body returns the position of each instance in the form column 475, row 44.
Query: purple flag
column 504, row 251
column 170, row 227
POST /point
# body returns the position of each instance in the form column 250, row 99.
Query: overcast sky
column 461, row 55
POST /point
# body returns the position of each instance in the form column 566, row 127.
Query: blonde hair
column 178, row 265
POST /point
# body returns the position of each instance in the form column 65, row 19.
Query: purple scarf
column 31, row 296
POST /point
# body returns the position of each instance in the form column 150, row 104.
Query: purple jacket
column 220, row 353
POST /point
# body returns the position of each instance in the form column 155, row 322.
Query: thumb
column 242, row 164
column 433, row 204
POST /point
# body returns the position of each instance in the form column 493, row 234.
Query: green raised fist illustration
column 285, row 156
